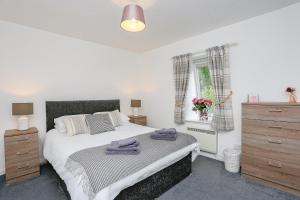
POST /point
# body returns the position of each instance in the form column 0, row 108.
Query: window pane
column 206, row 89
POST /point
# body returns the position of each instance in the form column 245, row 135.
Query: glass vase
column 203, row 115
column 292, row 98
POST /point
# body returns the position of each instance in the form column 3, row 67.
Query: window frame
column 198, row 62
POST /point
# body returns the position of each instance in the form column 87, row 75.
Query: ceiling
column 167, row 21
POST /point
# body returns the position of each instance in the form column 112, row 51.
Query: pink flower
column 208, row 101
column 200, row 100
column 290, row 89
column 194, row 100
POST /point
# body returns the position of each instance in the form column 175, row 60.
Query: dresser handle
column 276, row 164
column 20, row 153
column 278, row 127
column 275, row 110
column 24, row 167
column 275, row 141
column 23, row 139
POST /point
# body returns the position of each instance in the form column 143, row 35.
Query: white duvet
column 58, row 147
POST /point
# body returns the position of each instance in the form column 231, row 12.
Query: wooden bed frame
column 147, row 189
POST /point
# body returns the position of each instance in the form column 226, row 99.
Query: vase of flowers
column 202, row 106
column 292, row 96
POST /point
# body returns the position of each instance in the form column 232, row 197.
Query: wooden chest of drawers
column 271, row 144
column 21, row 155
column 141, row 120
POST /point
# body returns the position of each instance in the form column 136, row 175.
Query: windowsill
column 200, row 121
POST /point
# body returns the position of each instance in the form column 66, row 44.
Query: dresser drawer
column 272, row 112
column 272, row 170
column 278, row 148
column 271, row 128
column 22, row 168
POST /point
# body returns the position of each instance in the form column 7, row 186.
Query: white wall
column 266, row 60
column 36, row 66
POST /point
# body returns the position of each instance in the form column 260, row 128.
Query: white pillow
column 59, row 123
column 114, row 117
column 124, row 118
column 75, row 125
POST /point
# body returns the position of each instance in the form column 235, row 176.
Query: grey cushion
column 99, row 123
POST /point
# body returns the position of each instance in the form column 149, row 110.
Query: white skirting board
column 2, row 172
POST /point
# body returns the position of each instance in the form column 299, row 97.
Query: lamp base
column 23, row 123
column 135, row 111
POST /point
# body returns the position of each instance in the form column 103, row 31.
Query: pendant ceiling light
column 133, row 19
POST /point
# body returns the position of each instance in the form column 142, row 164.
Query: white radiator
column 207, row 139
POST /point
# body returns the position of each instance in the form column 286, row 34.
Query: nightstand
column 21, row 155
column 140, row 119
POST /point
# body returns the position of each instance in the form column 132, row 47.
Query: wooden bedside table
column 21, row 155
column 140, row 119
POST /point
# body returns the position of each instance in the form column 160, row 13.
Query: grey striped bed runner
column 98, row 170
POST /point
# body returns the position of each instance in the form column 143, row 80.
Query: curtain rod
column 226, row 45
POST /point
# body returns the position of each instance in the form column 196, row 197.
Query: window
column 200, row 86
column 203, row 83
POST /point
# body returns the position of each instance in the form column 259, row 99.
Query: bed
column 148, row 183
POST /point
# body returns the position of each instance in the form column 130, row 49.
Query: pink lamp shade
column 133, row 19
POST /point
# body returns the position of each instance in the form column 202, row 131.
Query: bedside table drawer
column 20, row 149
column 22, row 139
column 24, row 157
column 140, row 119
column 140, row 122
column 21, row 169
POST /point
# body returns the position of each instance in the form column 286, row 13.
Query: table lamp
column 22, row 110
column 135, row 104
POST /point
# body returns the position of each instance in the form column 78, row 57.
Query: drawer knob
column 275, row 110
column 277, row 127
column 274, row 141
column 22, row 153
column 276, row 164
column 23, row 139
column 24, row 166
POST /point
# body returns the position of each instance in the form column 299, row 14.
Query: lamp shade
column 22, row 108
column 133, row 19
column 135, row 103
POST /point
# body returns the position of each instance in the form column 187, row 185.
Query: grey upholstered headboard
column 56, row 109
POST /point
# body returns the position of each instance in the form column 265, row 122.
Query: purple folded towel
column 127, row 146
column 111, row 148
column 163, row 137
column 155, row 137
column 166, row 131
column 129, row 142
column 164, row 134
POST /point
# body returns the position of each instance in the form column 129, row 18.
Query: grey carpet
column 209, row 181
